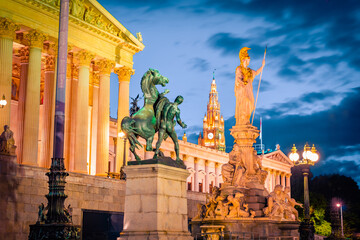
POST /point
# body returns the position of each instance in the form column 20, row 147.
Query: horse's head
column 157, row 78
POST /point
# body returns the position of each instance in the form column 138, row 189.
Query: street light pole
column 306, row 172
column 341, row 219
column 310, row 156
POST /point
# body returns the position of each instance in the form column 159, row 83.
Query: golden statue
column 244, row 76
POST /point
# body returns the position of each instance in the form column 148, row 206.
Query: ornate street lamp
column 310, row 157
column 122, row 136
column 3, row 101
column 339, row 205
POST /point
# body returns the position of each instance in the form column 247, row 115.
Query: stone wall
column 193, row 199
column 22, row 190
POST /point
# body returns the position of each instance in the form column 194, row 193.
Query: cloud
column 226, row 43
column 199, row 64
column 335, row 132
column 147, row 4
column 306, row 104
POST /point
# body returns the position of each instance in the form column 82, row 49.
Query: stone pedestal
column 254, row 177
column 155, row 202
column 248, row 228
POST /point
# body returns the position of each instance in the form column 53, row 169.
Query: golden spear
column 257, row 94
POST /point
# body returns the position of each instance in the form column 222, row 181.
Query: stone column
column 273, row 180
column 94, row 120
column 24, row 65
column 124, row 74
column 217, row 173
column 206, row 188
column 32, row 99
column 82, row 110
column 196, row 175
column 288, row 183
column 288, row 176
column 283, row 180
column 102, row 147
column 7, row 34
column 112, row 168
column 67, row 112
column 277, row 179
column 49, row 98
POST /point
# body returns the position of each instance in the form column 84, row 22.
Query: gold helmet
column 243, row 54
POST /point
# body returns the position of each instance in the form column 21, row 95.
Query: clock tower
column 213, row 123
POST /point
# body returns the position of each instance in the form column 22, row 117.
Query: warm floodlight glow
column 121, row 134
column 314, row 154
column 3, row 102
column 307, row 153
column 294, row 156
column 338, row 204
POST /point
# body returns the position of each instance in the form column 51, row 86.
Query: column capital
column 95, row 79
column 124, row 73
column 24, row 54
column 84, row 57
column 36, row 38
column 50, row 63
column 75, row 71
column 8, row 28
column 51, row 48
column 105, row 66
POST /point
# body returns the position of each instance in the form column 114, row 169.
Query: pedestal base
column 155, row 235
column 155, row 203
column 247, row 228
column 255, row 197
column 54, row 232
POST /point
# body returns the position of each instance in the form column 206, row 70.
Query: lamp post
column 341, row 219
column 310, row 156
column 122, row 136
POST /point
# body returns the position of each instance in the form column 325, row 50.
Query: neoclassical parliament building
column 98, row 45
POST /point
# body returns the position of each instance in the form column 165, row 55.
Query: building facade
column 97, row 46
column 213, row 135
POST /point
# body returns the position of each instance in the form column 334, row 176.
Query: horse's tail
column 127, row 126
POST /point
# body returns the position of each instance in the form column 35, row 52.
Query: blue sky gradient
column 310, row 89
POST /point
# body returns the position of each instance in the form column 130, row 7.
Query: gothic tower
column 213, row 123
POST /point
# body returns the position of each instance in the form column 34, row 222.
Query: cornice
column 110, row 29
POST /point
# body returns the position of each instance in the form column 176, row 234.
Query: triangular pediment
column 278, row 155
column 93, row 13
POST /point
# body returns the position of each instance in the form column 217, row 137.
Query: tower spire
column 213, row 123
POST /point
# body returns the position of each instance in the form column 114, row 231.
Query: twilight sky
column 310, row 89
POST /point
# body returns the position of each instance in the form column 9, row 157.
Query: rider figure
column 167, row 125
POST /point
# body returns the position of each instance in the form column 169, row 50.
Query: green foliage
column 322, row 227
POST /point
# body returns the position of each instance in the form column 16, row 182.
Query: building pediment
column 279, row 156
column 93, row 13
column 86, row 14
